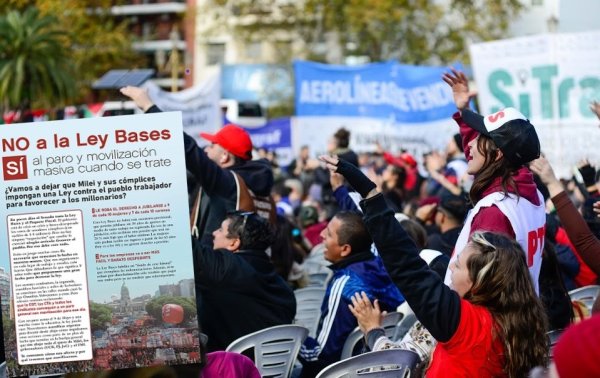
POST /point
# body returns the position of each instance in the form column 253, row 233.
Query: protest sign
column 199, row 105
column 96, row 219
column 551, row 78
column 400, row 106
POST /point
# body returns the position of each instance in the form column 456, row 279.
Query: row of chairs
column 308, row 312
column 276, row 349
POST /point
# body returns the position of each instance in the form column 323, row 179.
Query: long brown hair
column 502, row 284
column 491, row 169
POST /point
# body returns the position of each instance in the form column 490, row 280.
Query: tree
column 34, row 68
column 155, row 305
column 100, row 316
column 411, row 31
column 95, row 41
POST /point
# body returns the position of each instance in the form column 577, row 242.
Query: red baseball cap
column 232, row 138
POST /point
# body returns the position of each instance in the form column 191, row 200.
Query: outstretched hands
column 368, row 316
column 543, row 169
column 361, row 183
column 331, row 162
column 139, row 96
column 460, row 88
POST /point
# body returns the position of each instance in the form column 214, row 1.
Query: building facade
column 163, row 31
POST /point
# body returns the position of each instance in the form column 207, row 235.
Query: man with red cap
column 227, row 178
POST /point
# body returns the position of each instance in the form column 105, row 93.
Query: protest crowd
column 484, row 247
column 481, row 249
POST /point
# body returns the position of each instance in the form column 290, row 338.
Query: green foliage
column 34, row 68
column 92, row 41
column 8, row 327
column 154, row 306
column 411, row 31
column 100, row 316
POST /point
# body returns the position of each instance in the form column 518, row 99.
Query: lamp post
column 174, row 59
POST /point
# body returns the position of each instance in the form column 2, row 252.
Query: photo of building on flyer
column 129, row 331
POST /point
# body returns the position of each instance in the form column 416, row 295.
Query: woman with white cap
column 504, row 195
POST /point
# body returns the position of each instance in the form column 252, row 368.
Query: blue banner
column 275, row 134
column 401, row 93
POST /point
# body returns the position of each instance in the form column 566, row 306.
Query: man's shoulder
column 354, row 276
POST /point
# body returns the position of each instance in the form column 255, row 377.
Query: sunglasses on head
column 245, row 215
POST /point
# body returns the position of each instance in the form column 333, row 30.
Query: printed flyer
column 96, row 267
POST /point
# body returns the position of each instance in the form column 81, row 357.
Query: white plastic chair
column 398, row 363
column 553, row 337
column 308, row 308
column 315, row 262
column 587, row 295
column 319, row 279
column 406, row 322
column 389, row 324
column 275, row 348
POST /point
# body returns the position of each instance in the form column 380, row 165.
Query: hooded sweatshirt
column 491, row 218
column 218, row 185
column 219, row 188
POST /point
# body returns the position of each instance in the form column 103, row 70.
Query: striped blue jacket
column 361, row 272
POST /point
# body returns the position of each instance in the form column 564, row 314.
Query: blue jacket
column 360, row 272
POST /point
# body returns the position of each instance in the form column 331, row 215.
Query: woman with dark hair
column 488, row 323
column 504, row 195
column 339, row 145
column 393, row 179
column 287, row 252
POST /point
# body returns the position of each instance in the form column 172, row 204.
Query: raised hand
column 460, row 88
column 361, row 183
column 434, row 162
column 368, row 316
column 588, row 173
column 595, row 107
column 543, row 169
column 139, row 96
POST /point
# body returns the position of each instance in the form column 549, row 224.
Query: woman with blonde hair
column 488, row 323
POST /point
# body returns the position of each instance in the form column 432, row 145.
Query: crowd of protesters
column 508, row 238
column 483, row 243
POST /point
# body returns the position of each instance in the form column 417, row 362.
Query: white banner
column 417, row 139
column 199, row 105
column 551, row 78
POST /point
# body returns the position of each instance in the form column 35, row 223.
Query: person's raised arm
column 434, row 163
column 579, row 233
column 435, row 304
column 460, row 91
column 459, row 83
column 213, row 178
column 140, row 97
